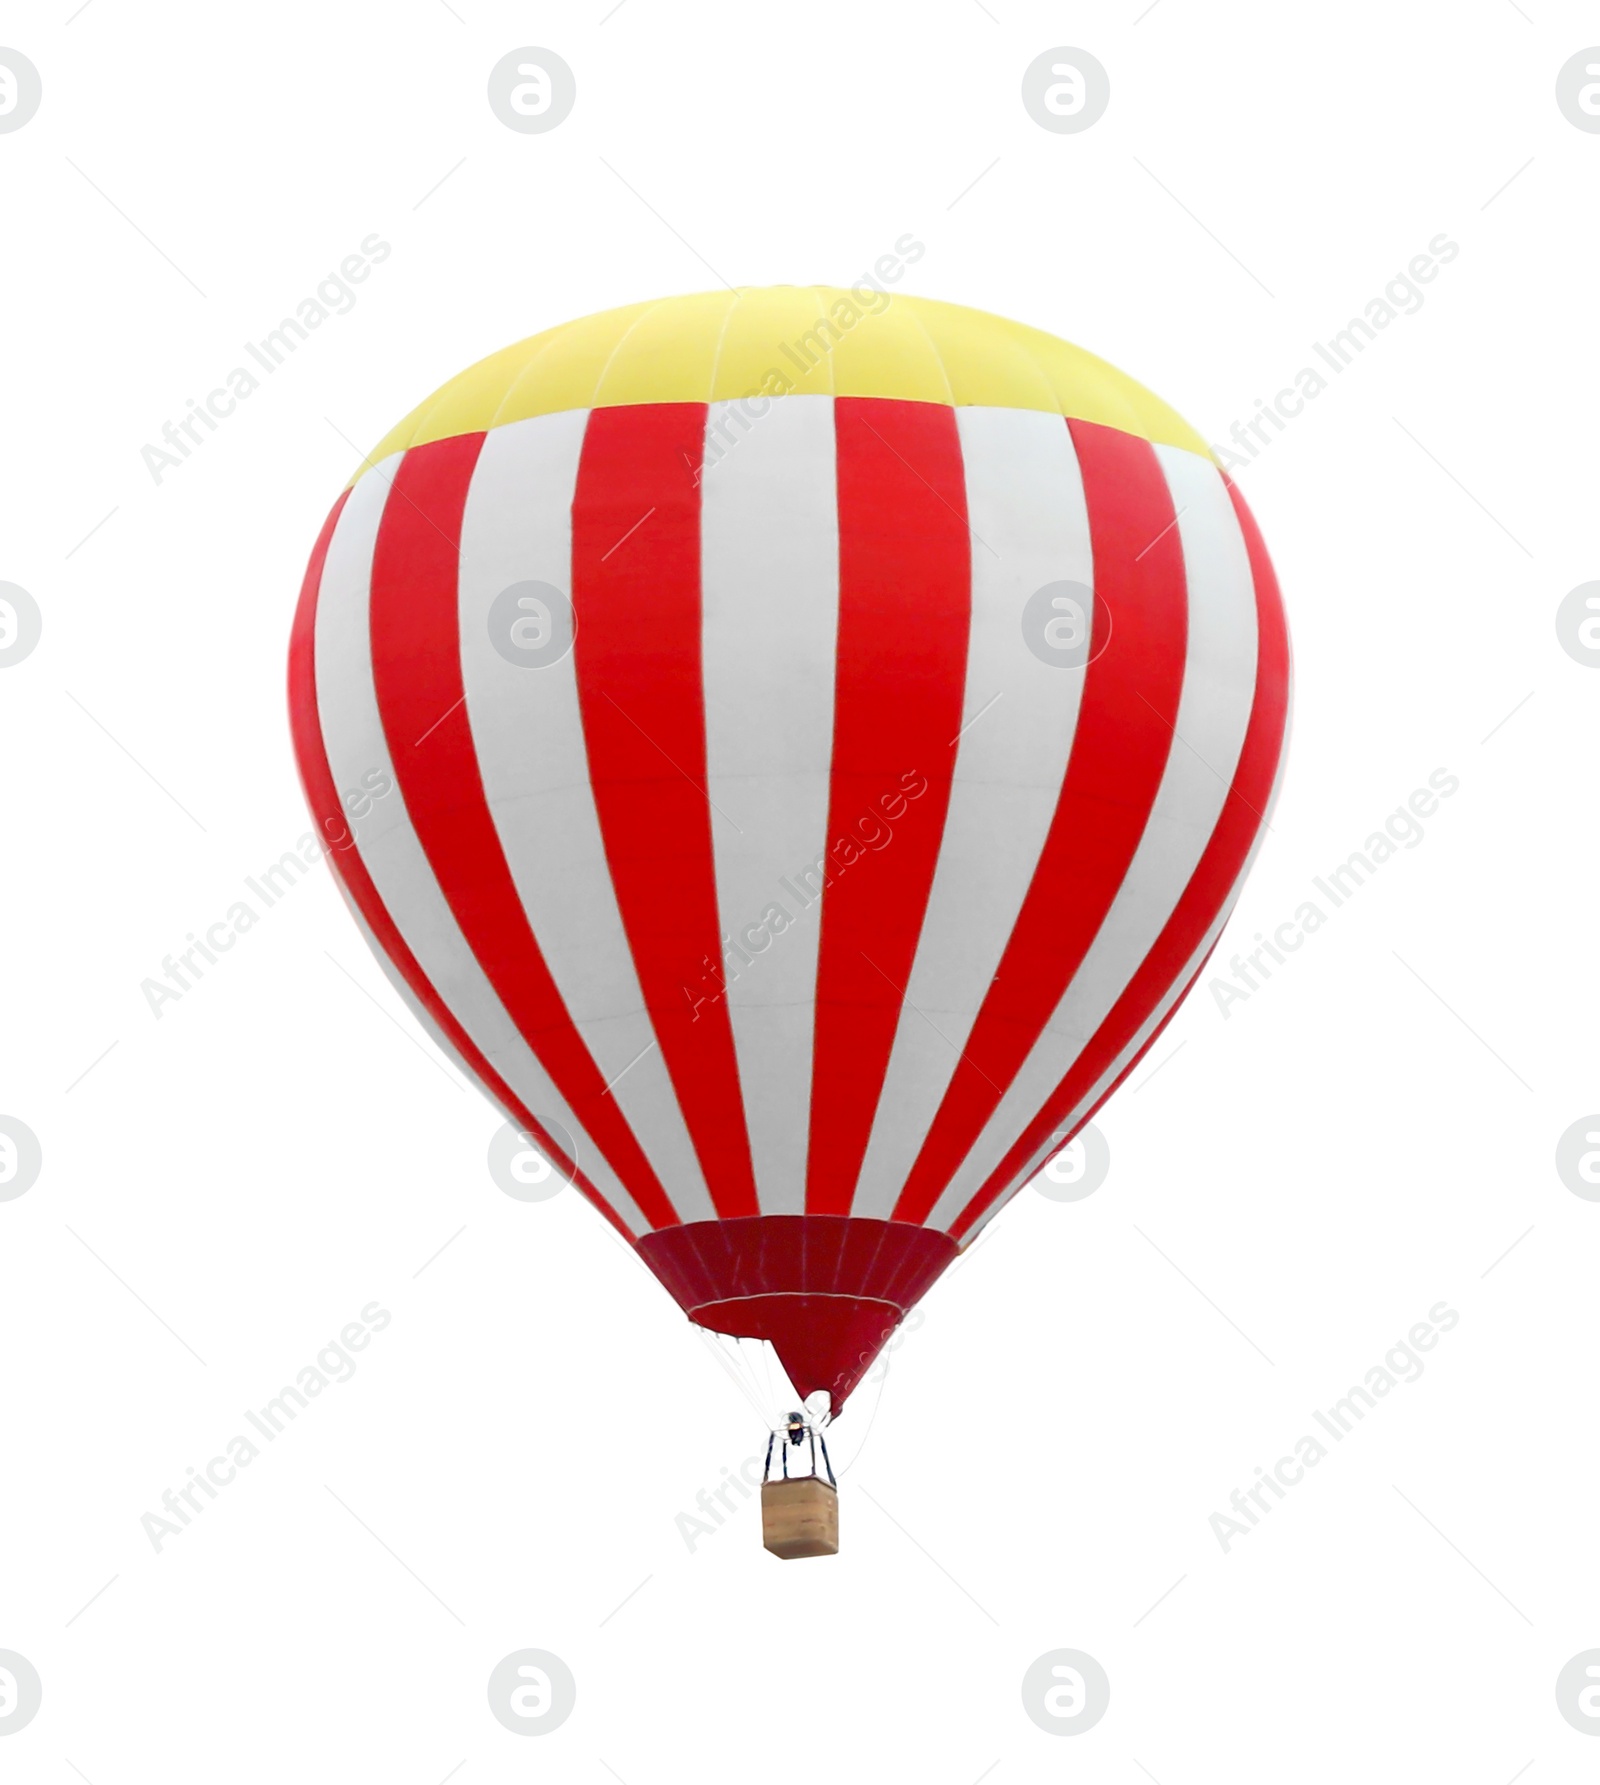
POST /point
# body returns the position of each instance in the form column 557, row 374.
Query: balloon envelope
column 820, row 747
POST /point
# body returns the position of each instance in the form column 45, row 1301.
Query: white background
column 1301, row 1181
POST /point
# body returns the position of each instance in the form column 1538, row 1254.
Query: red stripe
column 905, row 597
column 636, row 594
column 1119, row 754
column 1066, row 1138
column 322, row 796
column 1215, row 875
column 416, row 669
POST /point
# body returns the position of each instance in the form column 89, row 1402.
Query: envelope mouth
column 825, row 1290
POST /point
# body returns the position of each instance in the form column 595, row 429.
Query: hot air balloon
column 829, row 730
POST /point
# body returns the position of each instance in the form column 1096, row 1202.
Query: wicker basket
column 800, row 1517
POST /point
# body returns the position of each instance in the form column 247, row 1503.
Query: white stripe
column 1026, row 505
column 353, row 736
column 527, row 731
column 1213, row 712
column 1075, row 1119
column 1080, row 1112
column 432, row 1029
column 769, row 533
column 413, row 1003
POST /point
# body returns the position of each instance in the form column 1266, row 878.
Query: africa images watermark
column 1401, row 830
column 333, row 1364
column 749, row 1477
column 1400, row 1364
column 332, row 297
column 1402, row 296
column 866, row 298
column 872, row 831
column 269, row 887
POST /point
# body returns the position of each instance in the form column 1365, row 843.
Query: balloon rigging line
column 736, row 1375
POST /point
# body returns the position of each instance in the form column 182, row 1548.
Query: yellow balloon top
column 789, row 340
